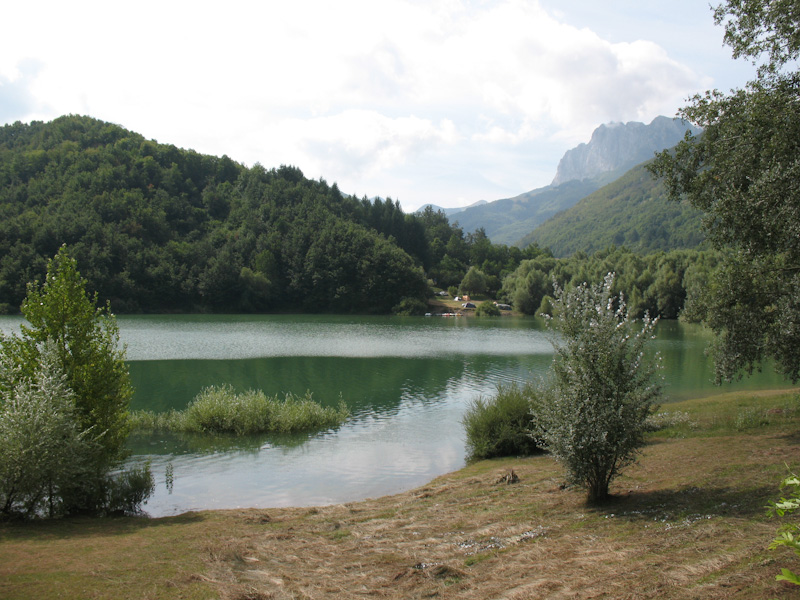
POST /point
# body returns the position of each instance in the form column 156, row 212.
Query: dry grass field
column 687, row 522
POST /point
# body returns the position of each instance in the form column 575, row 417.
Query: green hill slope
column 506, row 221
column 158, row 228
column 632, row 211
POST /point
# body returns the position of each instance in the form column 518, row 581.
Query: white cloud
column 15, row 89
column 369, row 94
column 358, row 143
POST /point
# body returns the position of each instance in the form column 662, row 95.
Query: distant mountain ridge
column 612, row 151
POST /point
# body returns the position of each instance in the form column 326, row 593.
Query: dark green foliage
column 409, row 307
column 156, row 228
column 632, row 211
column 487, row 308
column 452, row 253
column 501, row 425
column 757, row 27
column 743, row 173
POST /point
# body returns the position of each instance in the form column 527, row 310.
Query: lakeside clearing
column 688, row 521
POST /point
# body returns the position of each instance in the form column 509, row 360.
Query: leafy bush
column 219, row 409
column 546, row 306
column 85, row 339
column 487, row 308
column 500, row 425
column 41, row 442
column 787, row 535
column 595, row 417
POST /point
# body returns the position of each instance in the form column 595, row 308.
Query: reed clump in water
column 219, row 409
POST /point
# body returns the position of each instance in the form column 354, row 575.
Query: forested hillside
column 157, row 228
column 632, row 211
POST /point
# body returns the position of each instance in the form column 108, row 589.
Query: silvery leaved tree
column 43, row 447
column 593, row 418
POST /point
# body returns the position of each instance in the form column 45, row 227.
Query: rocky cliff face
column 619, row 146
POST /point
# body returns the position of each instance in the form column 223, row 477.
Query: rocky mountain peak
column 620, row 146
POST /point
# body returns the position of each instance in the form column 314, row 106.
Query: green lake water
column 407, row 382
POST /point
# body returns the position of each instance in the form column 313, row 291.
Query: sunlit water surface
column 407, row 382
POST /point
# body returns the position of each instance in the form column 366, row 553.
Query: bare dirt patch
column 674, row 530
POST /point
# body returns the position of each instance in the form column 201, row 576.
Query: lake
column 407, row 381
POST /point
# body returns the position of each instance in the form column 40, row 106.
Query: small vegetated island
column 221, row 410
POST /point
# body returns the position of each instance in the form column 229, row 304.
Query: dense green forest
column 664, row 284
column 156, row 228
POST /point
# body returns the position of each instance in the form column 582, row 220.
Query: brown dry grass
column 687, row 522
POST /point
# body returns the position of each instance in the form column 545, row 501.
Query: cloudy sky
column 440, row 101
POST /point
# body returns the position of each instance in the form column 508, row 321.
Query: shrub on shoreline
column 219, row 409
column 501, row 425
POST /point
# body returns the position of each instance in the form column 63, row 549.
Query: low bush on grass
column 219, row 409
column 500, row 425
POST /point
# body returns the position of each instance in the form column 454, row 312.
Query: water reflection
column 372, row 384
